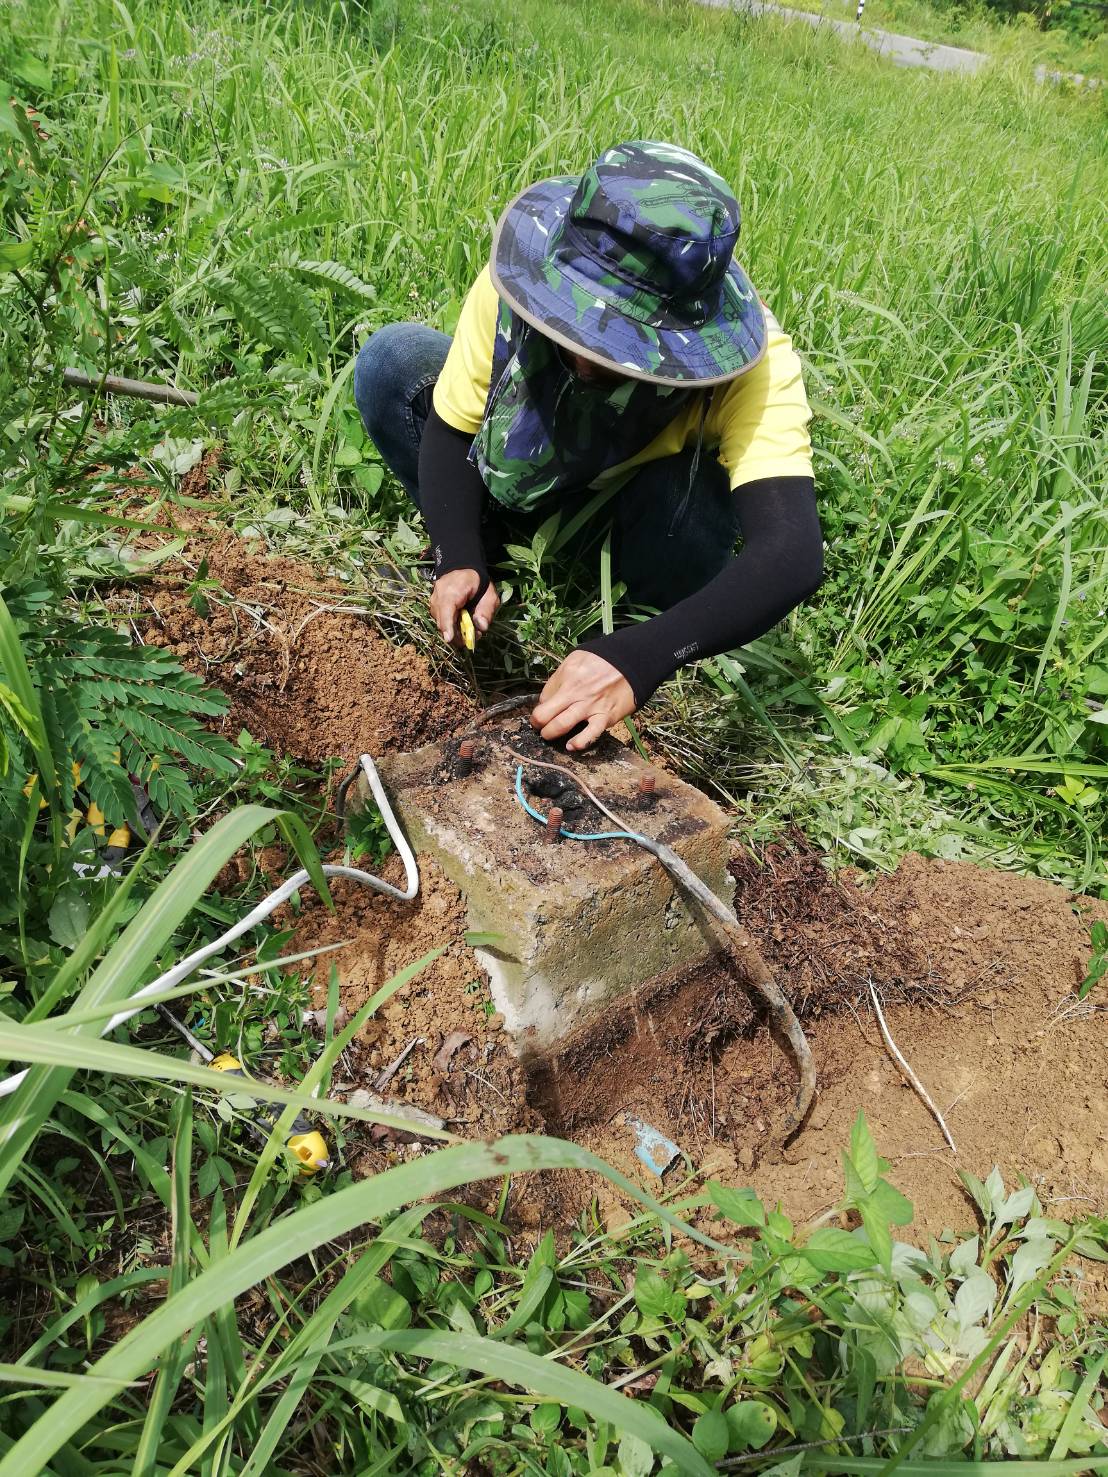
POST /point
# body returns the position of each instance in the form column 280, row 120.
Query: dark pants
column 667, row 540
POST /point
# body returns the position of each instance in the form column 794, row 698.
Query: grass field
column 229, row 197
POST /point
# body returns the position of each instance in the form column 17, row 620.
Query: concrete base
column 577, row 922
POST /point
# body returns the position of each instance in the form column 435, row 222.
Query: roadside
column 903, row 51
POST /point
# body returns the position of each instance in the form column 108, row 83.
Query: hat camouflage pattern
column 545, row 431
column 632, row 265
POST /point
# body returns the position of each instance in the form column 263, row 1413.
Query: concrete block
column 578, row 922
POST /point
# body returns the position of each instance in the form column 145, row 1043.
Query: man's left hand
column 585, row 689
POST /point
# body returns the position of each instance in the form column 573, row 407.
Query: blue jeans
column 668, row 538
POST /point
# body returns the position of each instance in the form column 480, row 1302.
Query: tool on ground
column 305, row 1143
column 742, row 948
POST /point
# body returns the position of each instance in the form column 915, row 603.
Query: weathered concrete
column 578, row 922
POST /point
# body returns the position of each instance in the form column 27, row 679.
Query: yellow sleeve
column 764, row 415
column 463, row 386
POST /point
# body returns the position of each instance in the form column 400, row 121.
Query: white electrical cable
column 184, row 967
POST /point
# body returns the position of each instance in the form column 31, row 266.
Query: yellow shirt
column 759, row 422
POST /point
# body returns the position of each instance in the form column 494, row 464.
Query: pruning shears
column 305, row 1143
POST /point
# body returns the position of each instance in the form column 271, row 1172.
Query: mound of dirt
column 306, row 670
column 983, row 964
column 978, row 969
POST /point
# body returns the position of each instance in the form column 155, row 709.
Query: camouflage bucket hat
column 632, row 265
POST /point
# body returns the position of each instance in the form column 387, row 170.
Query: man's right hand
column 451, row 595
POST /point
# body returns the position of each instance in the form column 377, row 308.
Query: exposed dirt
column 1019, row 1070
column 991, row 962
column 307, row 673
column 978, row 969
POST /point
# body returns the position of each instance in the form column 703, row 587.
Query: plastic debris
column 653, row 1148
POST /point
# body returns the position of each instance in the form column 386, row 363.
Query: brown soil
column 1018, row 1069
column 306, row 677
column 994, row 1031
column 978, row 969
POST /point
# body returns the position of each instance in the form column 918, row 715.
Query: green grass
column 974, row 25
column 229, row 197
column 935, row 245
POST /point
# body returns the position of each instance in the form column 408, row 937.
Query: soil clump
column 306, row 670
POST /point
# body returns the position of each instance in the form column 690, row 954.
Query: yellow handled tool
column 465, row 626
column 305, row 1143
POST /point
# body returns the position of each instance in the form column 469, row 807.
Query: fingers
column 566, row 719
column 485, row 609
column 598, row 726
column 549, row 705
column 449, row 597
column 445, row 617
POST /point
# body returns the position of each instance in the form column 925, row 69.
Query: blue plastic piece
column 569, row 835
column 653, row 1148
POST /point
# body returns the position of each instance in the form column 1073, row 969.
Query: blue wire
column 569, row 835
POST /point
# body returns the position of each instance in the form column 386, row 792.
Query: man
column 612, row 342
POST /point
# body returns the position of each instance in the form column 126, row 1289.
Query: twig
column 485, row 1080
column 327, row 610
column 114, row 384
column 386, row 1076
column 906, row 1069
column 730, row 1463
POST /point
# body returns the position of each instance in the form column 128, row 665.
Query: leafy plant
column 1098, row 964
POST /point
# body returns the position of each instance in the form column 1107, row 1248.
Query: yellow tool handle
column 305, row 1143
column 469, row 635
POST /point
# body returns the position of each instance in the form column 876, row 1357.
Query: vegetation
column 1066, row 35
column 228, row 199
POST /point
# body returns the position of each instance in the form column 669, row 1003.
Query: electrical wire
column 184, row 967
column 570, row 835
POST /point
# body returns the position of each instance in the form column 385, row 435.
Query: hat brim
column 567, row 309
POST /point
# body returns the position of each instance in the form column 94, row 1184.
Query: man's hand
column 584, row 689
column 451, row 595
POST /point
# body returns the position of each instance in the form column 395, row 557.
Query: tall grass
column 266, row 184
column 229, row 196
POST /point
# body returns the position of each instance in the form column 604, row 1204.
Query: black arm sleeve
column 451, row 497
column 779, row 565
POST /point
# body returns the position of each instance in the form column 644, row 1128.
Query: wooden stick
column 113, row 384
column 906, row 1069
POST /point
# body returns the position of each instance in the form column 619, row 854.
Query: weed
column 1098, row 964
column 232, row 208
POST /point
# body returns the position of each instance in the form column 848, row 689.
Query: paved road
column 905, row 51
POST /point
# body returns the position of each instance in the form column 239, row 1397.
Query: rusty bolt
column 554, row 817
column 647, row 783
column 466, row 749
